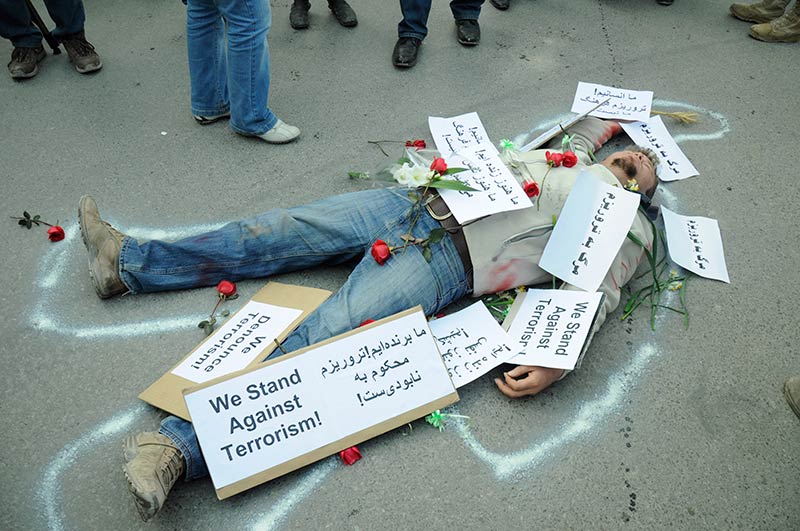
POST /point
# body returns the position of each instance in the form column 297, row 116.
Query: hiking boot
column 25, row 62
column 759, row 12
column 782, row 29
column 298, row 14
column 343, row 13
column 81, row 53
column 103, row 242
column 152, row 466
column 791, row 390
column 282, row 133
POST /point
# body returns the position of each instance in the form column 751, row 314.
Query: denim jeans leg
column 329, row 231
column 247, row 24
column 183, row 435
column 208, row 72
column 68, row 15
column 374, row 291
column 415, row 18
column 16, row 25
column 466, row 9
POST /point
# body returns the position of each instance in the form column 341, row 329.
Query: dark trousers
column 16, row 24
column 415, row 15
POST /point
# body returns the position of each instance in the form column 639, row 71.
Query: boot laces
column 170, row 467
column 80, row 46
column 23, row 55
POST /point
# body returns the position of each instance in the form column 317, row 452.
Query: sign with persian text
column 622, row 104
column 471, row 343
column 266, row 421
column 589, row 233
column 695, row 243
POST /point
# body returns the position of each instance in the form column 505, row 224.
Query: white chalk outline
column 504, row 466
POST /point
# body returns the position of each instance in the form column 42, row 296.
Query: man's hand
column 525, row 380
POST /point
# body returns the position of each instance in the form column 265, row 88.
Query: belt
column 439, row 211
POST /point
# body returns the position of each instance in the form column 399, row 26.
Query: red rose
column 570, row 159
column 417, row 144
column 226, row 288
column 368, row 321
column 380, row 251
column 55, row 233
column 350, row 455
column 438, row 165
column 531, row 188
column 553, row 159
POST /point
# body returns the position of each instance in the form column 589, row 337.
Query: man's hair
column 654, row 160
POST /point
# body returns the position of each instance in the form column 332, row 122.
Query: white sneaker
column 282, row 133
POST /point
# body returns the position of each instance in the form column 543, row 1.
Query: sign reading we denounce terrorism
column 237, row 342
column 258, row 424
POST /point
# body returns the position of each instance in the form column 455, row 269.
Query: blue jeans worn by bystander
column 330, row 231
column 229, row 61
column 16, row 25
column 415, row 15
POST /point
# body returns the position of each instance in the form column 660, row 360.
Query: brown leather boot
column 783, row 29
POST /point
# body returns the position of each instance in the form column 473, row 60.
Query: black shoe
column 405, row 52
column 502, row 5
column 343, row 13
column 468, row 32
column 298, row 14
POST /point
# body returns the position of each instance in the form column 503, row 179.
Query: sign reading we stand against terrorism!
column 258, row 424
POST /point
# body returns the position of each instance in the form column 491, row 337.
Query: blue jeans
column 229, row 61
column 16, row 25
column 330, row 231
column 415, row 15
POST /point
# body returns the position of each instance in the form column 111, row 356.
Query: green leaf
column 22, row 222
column 26, row 215
column 436, row 235
column 447, row 184
column 203, row 324
column 403, row 160
column 358, row 175
column 426, row 253
column 413, row 195
column 28, row 223
column 450, row 171
column 37, row 217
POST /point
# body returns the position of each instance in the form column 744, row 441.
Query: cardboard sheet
column 263, row 422
column 167, row 392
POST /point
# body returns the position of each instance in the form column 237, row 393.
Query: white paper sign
column 551, row 327
column 695, row 243
column 265, row 417
column 654, row 135
column 497, row 189
column 237, row 342
column 624, row 105
column 471, row 343
column 458, row 133
column 589, row 232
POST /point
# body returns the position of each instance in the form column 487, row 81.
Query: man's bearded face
column 636, row 166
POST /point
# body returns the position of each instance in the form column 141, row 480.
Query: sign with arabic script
column 258, row 424
column 622, row 104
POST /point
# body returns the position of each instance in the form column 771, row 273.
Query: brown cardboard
column 167, row 392
column 336, row 446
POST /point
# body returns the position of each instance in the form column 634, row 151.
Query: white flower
column 411, row 176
